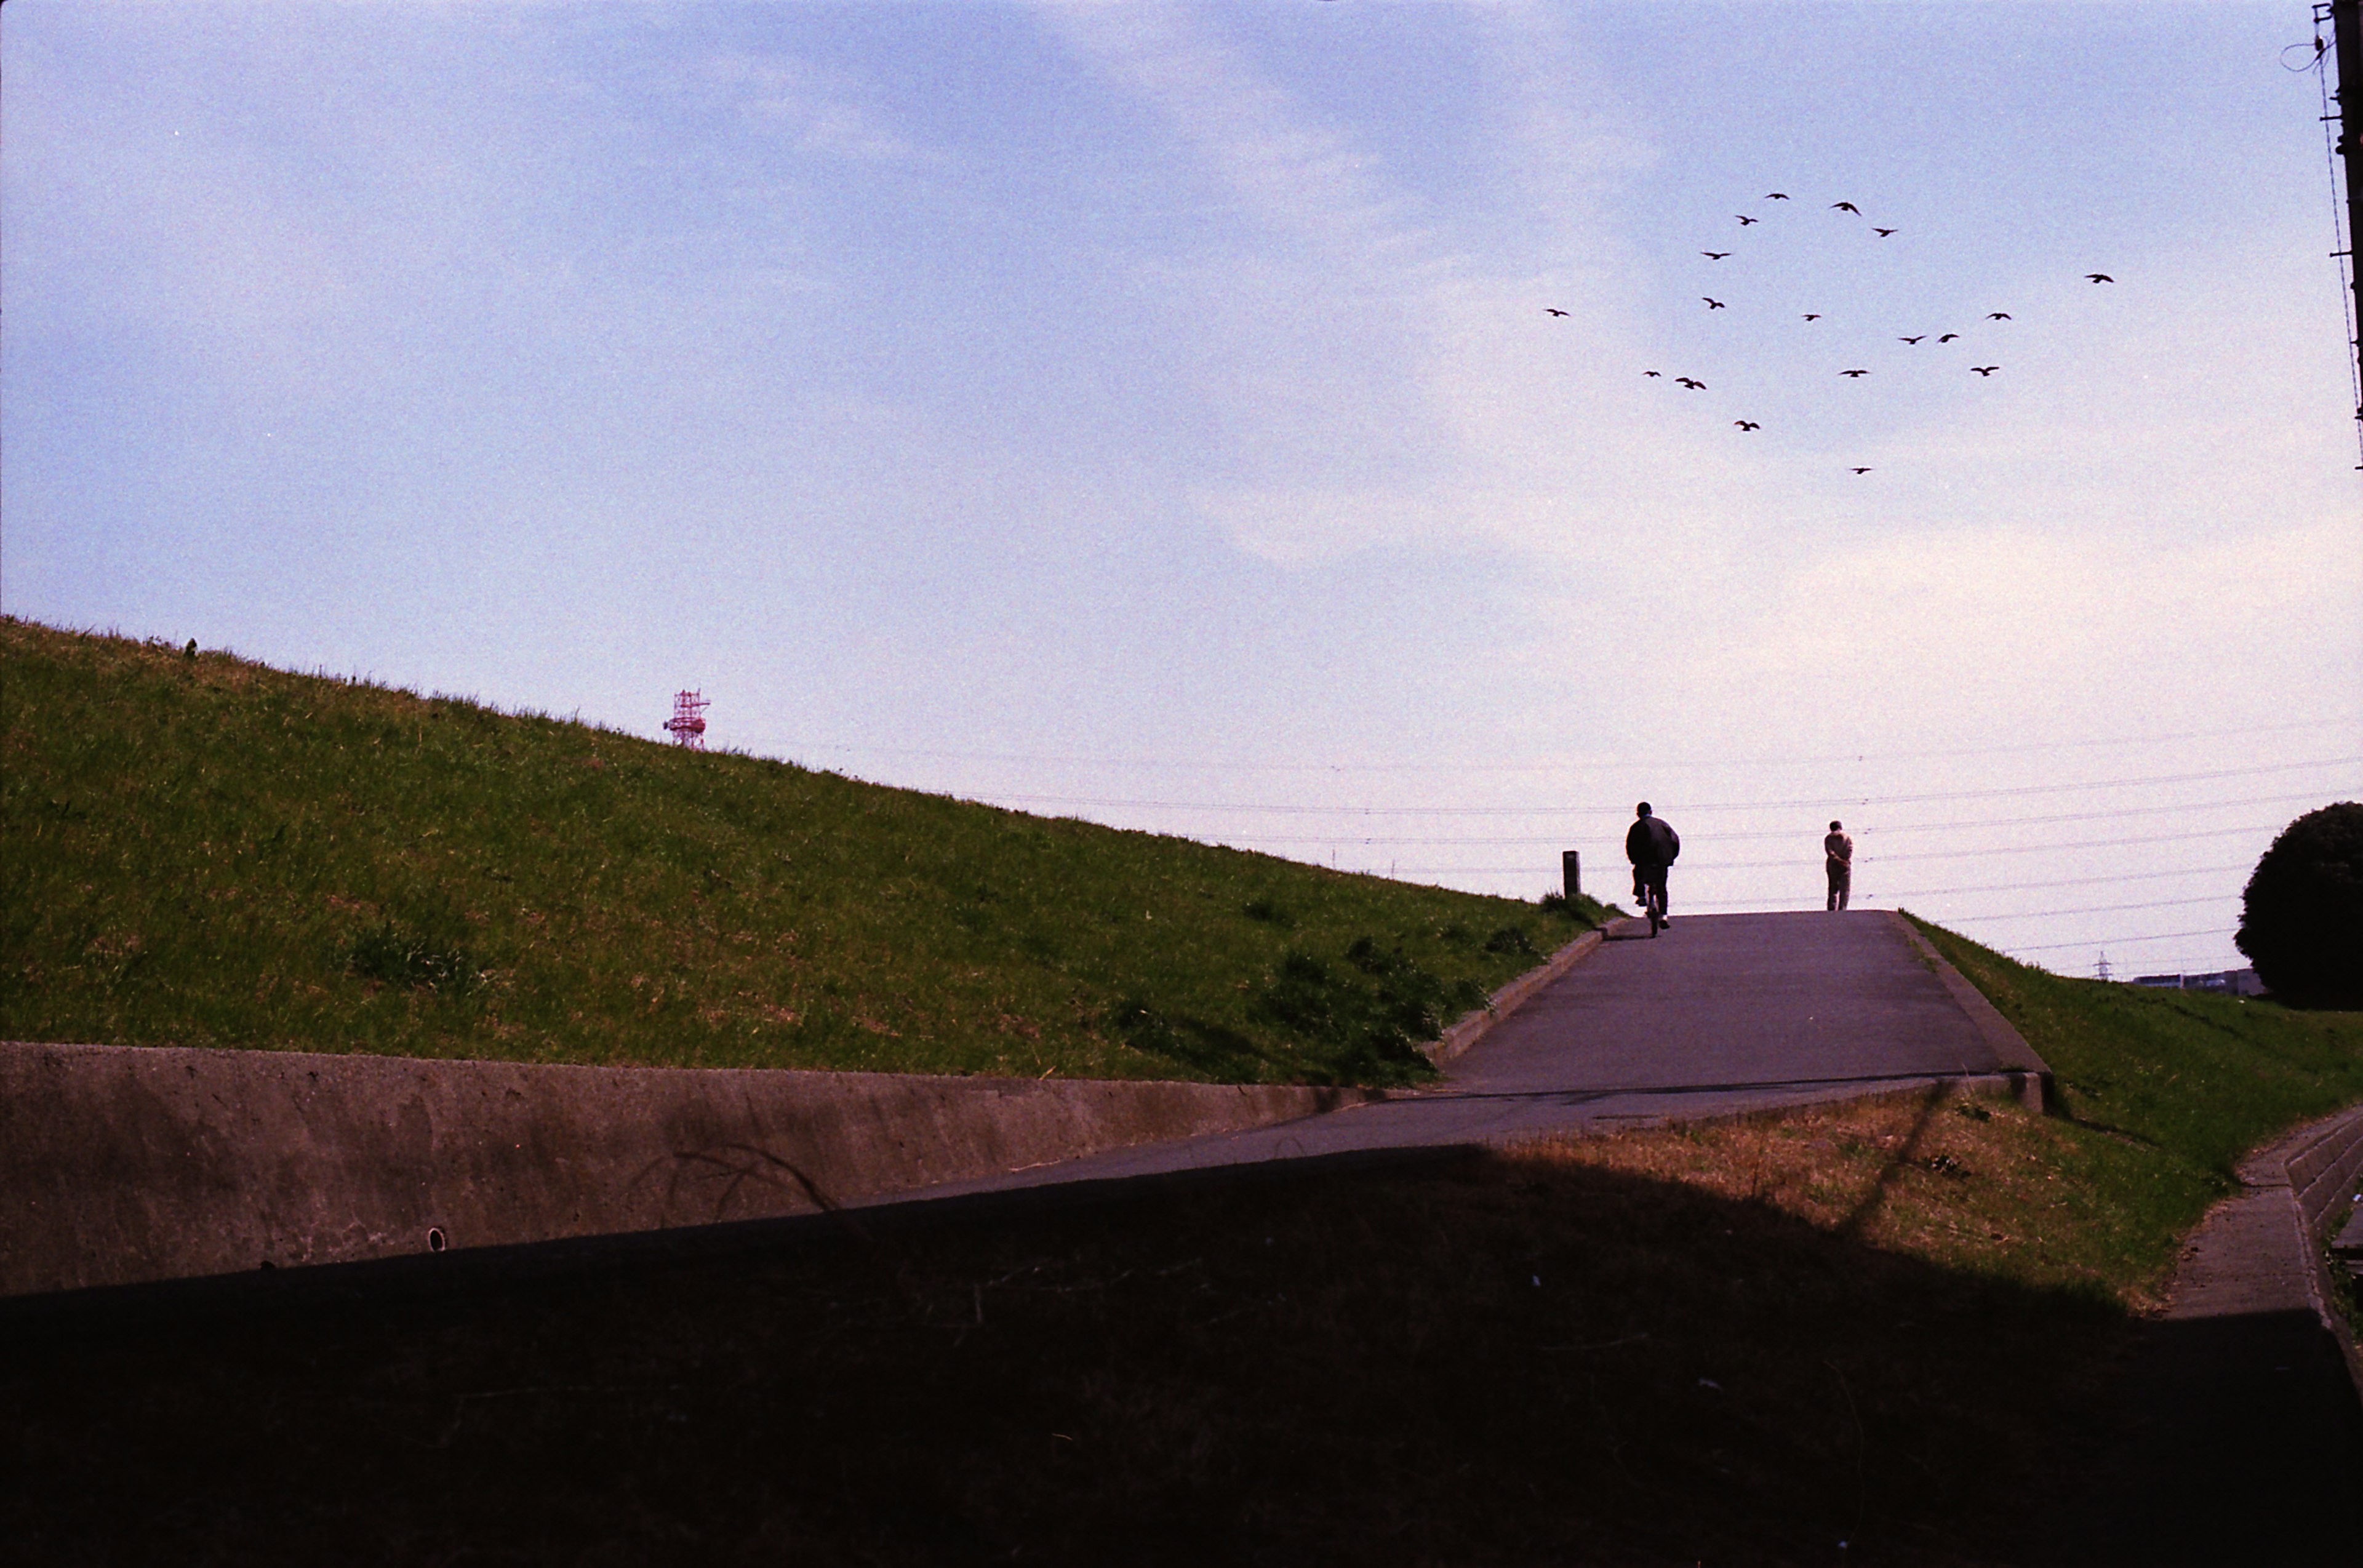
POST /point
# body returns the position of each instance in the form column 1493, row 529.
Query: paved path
column 1721, row 1014
column 2235, row 1434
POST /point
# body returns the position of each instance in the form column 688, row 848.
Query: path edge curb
column 2030, row 1075
column 1475, row 1026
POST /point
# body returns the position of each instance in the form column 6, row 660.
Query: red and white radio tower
column 688, row 721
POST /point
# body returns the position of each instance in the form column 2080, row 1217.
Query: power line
column 2120, row 941
column 2024, row 886
column 2094, row 910
column 1816, row 803
column 2082, row 844
column 1794, row 860
column 1793, row 833
column 2071, row 882
column 1611, row 765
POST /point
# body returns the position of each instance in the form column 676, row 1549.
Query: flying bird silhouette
column 1813, row 316
column 1744, row 219
column 1863, row 471
column 1846, row 206
column 1714, row 255
column 1653, row 373
column 1553, row 310
column 1948, row 337
column 1854, row 373
column 1998, row 315
column 1910, row 339
column 1715, row 303
column 1776, row 197
column 1882, row 233
column 1747, row 424
column 1693, row 386
column 1985, row 369
column 2100, row 278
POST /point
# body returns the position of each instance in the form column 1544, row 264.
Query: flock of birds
column 1856, row 373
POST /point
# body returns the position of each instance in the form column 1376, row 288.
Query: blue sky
column 1150, row 414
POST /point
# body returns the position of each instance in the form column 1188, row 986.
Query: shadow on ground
column 1447, row 1358
column 2239, row 1442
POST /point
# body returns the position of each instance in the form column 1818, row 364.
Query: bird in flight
column 1747, row 424
column 1715, row 303
column 1948, row 337
column 1553, row 310
column 1653, row 373
column 1985, row 369
column 1846, row 206
column 1744, row 219
column 1714, row 255
column 1776, row 197
column 1882, row 233
column 2099, row 278
column 1910, row 339
column 1863, row 471
column 1854, row 373
column 1813, row 316
column 1693, row 386
column 1998, row 315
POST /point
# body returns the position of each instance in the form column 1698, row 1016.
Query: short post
column 1570, row 871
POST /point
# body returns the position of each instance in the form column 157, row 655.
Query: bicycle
column 1650, row 894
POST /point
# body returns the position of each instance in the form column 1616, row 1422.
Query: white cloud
column 818, row 110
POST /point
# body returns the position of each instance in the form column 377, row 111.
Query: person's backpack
column 1669, row 843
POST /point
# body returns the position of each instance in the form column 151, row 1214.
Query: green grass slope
column 2159, row 1096
column 206, row 851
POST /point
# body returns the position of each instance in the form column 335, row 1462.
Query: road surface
column 1721, row 1014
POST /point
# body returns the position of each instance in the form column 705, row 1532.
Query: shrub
column 2301, row 916
column 393, row 954
column 1512, row 939
column 1369, row 1015
column 422, row 942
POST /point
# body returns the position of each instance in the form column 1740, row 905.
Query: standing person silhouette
column 1651, row 845
column 1838, row 858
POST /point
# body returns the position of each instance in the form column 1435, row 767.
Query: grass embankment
column 2158, row 1093
column 1888, row 1324
column 207, row 852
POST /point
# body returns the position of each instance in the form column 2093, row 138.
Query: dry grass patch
column 1967, row 1182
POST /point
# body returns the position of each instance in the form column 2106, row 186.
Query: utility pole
column 2347, row 30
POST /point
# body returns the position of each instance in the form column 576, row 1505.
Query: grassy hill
column 206, row 851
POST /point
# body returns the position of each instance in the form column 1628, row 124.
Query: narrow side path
column 2239, row 1434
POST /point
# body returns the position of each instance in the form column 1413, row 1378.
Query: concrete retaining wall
column 122, row 1164
column 2322, row 1163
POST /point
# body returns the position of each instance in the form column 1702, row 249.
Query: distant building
column 2224, row 981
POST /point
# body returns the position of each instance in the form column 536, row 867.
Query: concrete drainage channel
column 123, row 1166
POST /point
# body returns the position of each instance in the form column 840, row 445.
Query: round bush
column 2301, row 916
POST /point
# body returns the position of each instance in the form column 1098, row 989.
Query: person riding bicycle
column 1651, row 845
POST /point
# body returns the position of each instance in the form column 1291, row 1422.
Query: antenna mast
column 688, row 721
